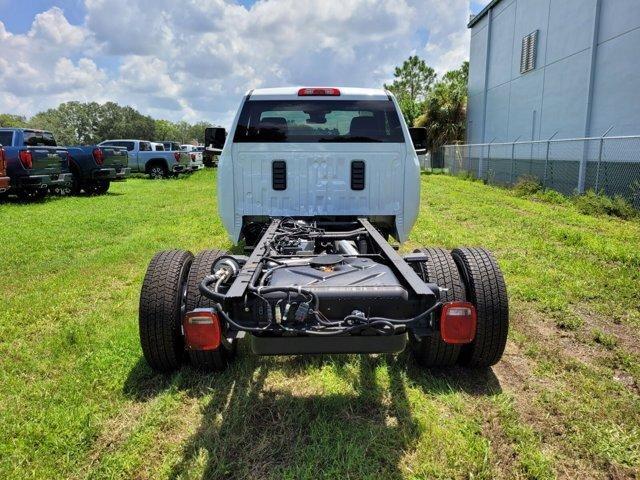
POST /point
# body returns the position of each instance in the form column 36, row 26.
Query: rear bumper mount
column 119, row 173
column 330, row 345
column 44, row 181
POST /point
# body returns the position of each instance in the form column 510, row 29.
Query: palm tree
column 446, row 109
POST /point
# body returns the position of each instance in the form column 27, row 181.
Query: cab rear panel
column 359, row 161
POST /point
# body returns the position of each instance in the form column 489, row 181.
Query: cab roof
column 346, row 93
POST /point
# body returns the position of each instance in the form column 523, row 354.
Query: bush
column 551, row 196
column 569, row 322
column 466, row 175
column 605, row 339
column 527, row 185
column 592, row 203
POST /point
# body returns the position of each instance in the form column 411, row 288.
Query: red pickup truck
column 4, row 180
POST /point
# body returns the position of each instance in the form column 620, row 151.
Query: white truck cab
column 319, row 152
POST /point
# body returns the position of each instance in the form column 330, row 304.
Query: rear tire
column 161, row 309
column 208, row 360
column 97, row 187
column 157, row 171
column 32, row 194
column 76, row 184
column 486, row 289
column 439, row 268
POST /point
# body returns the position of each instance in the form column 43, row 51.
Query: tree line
column 440, row 105
column 77, row 123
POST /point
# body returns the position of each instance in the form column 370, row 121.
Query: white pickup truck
column 195, row 155
column 144, row 159
column 315, row 180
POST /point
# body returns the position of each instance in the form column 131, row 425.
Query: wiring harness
column 302, row 315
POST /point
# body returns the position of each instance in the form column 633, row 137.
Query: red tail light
column 458, row 322
column 318, row 92
column 202, row 329
column 2, row 160
column 176, row 155
column 26, row 159
column 98, row 156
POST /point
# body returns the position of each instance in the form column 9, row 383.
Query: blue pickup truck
column 94, row 168
column 35, row 164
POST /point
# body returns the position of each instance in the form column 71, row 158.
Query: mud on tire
column 486, row 289
column 160, row 311
column 219, row 358
column 441, row 269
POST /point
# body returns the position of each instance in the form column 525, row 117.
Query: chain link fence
column 608, row 165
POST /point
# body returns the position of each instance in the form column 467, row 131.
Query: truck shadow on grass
column 281, row 418
column 15, row 200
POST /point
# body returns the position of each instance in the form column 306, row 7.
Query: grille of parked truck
column 315, row 181
column 144, row 159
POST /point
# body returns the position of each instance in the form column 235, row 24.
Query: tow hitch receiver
column 458, row 322
column 202, row 329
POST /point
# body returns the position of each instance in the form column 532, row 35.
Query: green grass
column 78, row 401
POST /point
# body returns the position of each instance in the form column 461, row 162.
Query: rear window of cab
column 6, row 138
column 315, row 121
column 38, row 139
column 128, row 145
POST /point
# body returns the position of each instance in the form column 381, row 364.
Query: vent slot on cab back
column 357, row 175
column 279, row 174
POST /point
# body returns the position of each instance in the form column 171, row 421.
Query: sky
column 194, row 59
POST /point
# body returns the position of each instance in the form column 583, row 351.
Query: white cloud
column 53, row 28
column 194, row 59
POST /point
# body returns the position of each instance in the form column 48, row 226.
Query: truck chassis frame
column 316, row 286
column 425, row 296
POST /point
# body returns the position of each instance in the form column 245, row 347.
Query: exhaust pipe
column 347, row 247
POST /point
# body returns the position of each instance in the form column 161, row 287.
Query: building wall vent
column 528, row 53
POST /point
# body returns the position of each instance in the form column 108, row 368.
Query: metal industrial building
column 562, row 68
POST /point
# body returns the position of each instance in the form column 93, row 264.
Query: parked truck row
column 33, row 165
column 144, row 158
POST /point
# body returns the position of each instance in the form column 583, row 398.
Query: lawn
column 78, row 401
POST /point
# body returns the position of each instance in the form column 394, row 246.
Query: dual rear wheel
column 170, row 289
column 473, row 275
